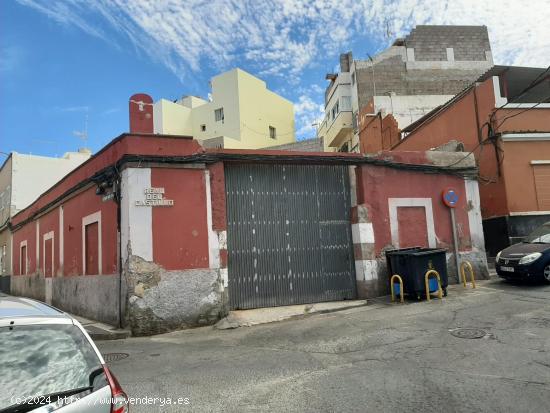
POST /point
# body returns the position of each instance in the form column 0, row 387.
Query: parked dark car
column 528, row 260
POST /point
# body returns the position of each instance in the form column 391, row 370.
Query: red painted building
column 157, row 233
column 504, row 120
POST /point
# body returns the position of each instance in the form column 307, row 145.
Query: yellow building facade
column 241, row 114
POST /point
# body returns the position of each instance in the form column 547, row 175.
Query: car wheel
column 546, row 273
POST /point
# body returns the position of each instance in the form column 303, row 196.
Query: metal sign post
column 450, row 198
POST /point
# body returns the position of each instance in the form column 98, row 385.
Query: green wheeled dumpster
column 412, row 264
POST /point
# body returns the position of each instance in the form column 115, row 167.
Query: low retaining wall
column 90, row 296
column 5, row 284
column 31, row 286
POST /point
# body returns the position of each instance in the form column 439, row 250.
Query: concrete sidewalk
column 101, row 331
column 247, row 318
column 257, row 316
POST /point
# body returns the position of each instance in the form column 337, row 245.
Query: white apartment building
column 23, row 178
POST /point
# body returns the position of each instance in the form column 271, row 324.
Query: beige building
column 22, row 179
column 241, row 114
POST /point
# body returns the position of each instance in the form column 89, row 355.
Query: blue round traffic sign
column 450, row 197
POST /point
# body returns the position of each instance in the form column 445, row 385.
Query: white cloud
column 307, row 113
column 71, row 13
column 518, row 30
column 286, row 38
column 110, row 111
column 71, row 109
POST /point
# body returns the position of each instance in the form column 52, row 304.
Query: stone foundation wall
column 160, row 301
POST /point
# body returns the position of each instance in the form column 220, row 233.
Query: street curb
column 101, row 334
column 227, row 323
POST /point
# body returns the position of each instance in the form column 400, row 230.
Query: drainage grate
column 468, row 333
column 110, row 357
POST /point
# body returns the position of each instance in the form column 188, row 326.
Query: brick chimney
column 141, row 113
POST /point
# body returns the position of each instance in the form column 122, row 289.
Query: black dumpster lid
column 416, row 251
column 428, row 251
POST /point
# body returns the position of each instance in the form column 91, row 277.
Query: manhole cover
column 110, row 357
column 468, row 333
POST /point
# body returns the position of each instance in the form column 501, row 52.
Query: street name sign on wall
column 154, row 197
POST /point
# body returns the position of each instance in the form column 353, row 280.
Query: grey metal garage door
column 289, row 235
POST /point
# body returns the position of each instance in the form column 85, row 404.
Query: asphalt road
column 380, row 358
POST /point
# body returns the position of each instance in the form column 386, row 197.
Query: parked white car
column 48, row 362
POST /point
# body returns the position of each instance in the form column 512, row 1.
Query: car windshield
column 540, row 235
column 37, row 360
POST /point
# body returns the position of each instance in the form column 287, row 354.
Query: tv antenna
column 83, row 134
column 389, row 33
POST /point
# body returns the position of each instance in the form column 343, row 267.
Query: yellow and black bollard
column 463, row 266
column 400, row 287
column 427, row 283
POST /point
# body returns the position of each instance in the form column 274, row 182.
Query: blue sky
column 63, row 60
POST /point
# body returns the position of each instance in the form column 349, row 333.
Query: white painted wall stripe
column 499, row 100
column 352, row 185
column 362, row 233
column 45, row 237
column 136, row 221
column 426, row 203
column 48, row 282
column 61, row 242
column 213, row 241
column 225, row 277
column 11, row 254
column 474, row 215
column 38, row 246
column 530, row 136
column 222, row 238
column 366, row 270
column 26, row 258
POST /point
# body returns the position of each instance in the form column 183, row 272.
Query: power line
column 523, row 111
column 468, row 154
column 531, row 85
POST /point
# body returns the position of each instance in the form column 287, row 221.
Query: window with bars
column 218, row 114
column 272, row 132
